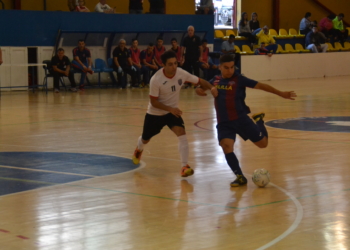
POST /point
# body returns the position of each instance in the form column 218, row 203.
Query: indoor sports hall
column 67, row 180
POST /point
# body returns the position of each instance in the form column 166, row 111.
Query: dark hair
column 227, row 58
column 255, row 14
column 81, row 40
column 133, row 40
column 160, row 38
column 59, row 49
column 174, row 39
column 241, row 22
column 231, row 36
column 167, row 55
column 151, row 44
column 307, row 14
column 341, row 15
column 204, row 41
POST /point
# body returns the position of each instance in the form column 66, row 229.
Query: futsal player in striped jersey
column 232, row 113
column 163, row 108
column 179, row 51
column 159, row 50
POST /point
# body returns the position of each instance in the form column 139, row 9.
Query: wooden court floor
column 306, row 205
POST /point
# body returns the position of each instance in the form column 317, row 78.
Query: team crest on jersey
column 179, row 82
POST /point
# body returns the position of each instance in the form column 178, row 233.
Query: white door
column 18, row 72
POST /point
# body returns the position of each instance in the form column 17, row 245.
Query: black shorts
column 244, row 127
column 154, row 123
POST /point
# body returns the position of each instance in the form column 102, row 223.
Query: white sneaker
column 73, row 89
column 57, row 91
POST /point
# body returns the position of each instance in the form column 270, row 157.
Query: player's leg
column 176, row 124
column 56, row 79
column 227, row 136
column 262, row 140
column 227, row 145
column 80, row 68
column 72, row 81
column 152, row 126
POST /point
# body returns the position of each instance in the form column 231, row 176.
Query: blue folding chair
column 100, row 67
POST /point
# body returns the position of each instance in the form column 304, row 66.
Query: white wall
column 259, row 67
column 293, row 66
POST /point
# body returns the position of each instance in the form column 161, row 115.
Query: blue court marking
column 22, row 171
column 340, row 124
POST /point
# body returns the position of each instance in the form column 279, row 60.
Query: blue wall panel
column 40, row 28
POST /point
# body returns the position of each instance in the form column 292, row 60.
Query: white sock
column 140, row 144
column 183, row 149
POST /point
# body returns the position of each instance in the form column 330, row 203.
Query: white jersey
column 102, row 7
column 167, row 90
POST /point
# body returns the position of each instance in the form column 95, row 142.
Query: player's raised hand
column 200, row 91
column 175, row 111
column 288, row 95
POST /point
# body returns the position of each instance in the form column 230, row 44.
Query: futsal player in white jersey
column 163, row 107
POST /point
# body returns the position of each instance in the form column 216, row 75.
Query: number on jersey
column 173, row 88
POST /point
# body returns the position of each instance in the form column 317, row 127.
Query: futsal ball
column 261, row 177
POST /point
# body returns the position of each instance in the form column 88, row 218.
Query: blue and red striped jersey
column 230, row 103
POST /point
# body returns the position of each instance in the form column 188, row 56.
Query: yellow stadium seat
column 273, row 32
column 293, row 32
column 238, row 50
column 348, row 28
column 280, row 49
column 338, row 46
column 231, row 32
column 347, row 45
column 247, row 49
column 331, row 48
column 290, row 49
column 300, row 48
column 283, row 32
column 219, row 34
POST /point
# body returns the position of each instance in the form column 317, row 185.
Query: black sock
column 232, row 161
column 262, row 127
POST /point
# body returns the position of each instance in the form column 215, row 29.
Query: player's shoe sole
column 240, row 181
column 258, row 117
column 136, row 158
column 187, row 171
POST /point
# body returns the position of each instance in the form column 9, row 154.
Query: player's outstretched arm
column 284, row 94
column 205, row 85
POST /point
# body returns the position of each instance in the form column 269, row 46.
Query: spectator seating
column 238, row 50
column 280, row 50
column 339, row 47
column 231, row 32
column 347, row 45
column 273, row 32
column 299, row 47
column 100, row 67
column 293, row 32
column 283, row 33
column 247, row 50
column 331, row 48
column 218, row 34
column 289, row 48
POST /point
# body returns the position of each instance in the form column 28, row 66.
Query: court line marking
column 295, row 224
column 142, row 165
column 48, row 171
